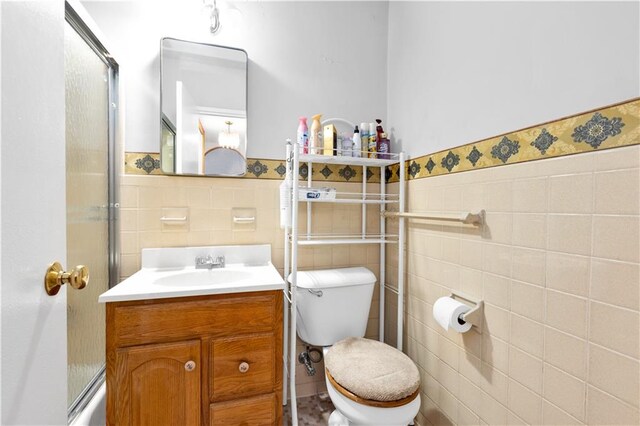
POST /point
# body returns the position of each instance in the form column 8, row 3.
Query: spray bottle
column 357, row 143
column 303, row 135
column 364, row 137
column 373, row 141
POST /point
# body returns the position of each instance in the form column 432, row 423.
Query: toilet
column 369, row 382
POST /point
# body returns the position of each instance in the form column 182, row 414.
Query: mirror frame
column 162, row 114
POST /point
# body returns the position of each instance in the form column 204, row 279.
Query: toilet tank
column 333, row 304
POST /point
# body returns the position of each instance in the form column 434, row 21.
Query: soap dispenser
column 315, row 139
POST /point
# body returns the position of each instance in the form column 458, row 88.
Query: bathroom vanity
column 195, row 353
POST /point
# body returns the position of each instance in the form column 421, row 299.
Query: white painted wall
column 33, row 220
column 464, row 71
column 0, row 212
column 304, row 58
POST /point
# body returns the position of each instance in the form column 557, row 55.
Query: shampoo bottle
column 303, row 135
column 373, row 141
column 384, row 147
column 315, row 140
column 357, row 143
column 364, row 137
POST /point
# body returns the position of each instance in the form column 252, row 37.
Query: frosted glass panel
column 87, row 136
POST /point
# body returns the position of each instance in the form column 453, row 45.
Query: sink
column 171, row 272
column 201, row 277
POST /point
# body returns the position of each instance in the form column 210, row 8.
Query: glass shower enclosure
column 91, row 99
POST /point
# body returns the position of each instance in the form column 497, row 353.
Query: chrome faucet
column 208, row 262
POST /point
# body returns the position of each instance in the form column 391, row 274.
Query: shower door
column 90, row 78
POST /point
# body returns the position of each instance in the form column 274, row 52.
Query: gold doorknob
column 55, row 278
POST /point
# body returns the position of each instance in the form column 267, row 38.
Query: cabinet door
column 159, row 384
column 242, row 366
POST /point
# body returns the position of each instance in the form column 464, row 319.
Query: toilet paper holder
column 475, row 315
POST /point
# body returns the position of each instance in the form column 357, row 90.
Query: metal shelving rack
column 293, row 239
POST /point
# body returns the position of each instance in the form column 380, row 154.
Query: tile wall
column 209, row 202
column 558, row 267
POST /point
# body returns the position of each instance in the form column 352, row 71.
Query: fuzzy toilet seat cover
column 372, row 370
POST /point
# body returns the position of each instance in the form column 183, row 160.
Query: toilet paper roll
column 446, row 311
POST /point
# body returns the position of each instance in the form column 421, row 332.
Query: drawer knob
column 243, row 367
column 190, row 365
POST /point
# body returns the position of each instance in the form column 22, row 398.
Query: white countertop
column 160, row 276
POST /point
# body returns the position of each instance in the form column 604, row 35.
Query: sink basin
column 201, row 277
column 170, row 272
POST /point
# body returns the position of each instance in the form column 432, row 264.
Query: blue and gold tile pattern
column 605, row 128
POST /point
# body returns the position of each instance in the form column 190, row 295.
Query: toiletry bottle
column 303, row 136
column 379, row 130
column 347, row 145
column 373, row 141
column 315, row 139
column 357, row 143
column 364, row 137
column 384, row 147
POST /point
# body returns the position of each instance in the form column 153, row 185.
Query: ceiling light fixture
column 229, row 139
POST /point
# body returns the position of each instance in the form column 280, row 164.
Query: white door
column 45, row 197
column 33, row 351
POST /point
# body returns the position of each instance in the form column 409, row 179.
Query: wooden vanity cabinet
column 205, row 360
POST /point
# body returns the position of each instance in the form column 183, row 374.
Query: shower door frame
column 74, row 19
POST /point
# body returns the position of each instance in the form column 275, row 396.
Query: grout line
column 588, row 307
column 620, row 401
column 628, row 357
column 564, row 411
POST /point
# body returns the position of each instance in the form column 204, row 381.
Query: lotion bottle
column 315, row 140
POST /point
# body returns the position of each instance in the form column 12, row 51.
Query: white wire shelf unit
column 293, row 238
column 355, row 198
column 334, row 239
column 351, row 161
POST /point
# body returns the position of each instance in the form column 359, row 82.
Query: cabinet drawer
column 229, row 357
column 177, row 319
column 256, row 411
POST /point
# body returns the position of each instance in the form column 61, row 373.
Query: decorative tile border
column 609, row 127
column 148, row 163
column 142, row 163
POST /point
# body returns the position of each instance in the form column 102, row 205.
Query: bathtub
column 95, row 412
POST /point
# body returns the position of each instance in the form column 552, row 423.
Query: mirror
column 203, row 101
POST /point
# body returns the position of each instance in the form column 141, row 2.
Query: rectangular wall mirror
column 203, row 98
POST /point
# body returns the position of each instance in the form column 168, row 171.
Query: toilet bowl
column 351, row 412
column 332, row 312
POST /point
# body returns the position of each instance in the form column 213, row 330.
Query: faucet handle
column 220, row 260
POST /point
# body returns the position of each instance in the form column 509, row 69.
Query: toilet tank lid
column 328, row 278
